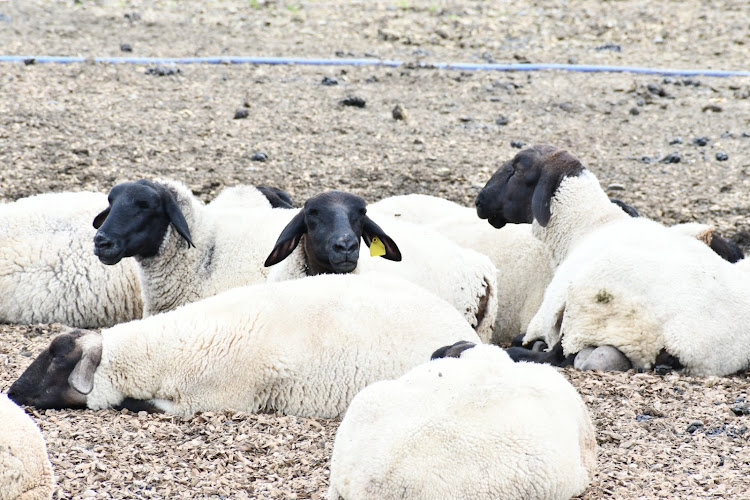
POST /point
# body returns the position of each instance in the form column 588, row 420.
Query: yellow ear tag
column 376, row 247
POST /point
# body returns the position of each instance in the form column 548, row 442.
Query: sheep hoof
column 539, row 346
column 605, row 358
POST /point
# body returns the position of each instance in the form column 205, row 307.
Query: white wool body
column 640, row 287
column 232, row 235
column 48, row 270
column 464, row 278
column 25, row 470
column 476, row 427
column 302, row 347
column 523, row 263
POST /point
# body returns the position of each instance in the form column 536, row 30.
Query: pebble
column 466, row 119
column 694, row 426
column 502, row 120
column 126, row 47
column 616, row 187
column 517, row 144
column 672, row 158
column 162, row 70
column 399, row 112
column 634, row 111
column 259, row 156
column 241, row 113
column 354, row 101
column 676, row 140
column 722, row 156
column 609, row 46
column 700, row 141
column 656, row 90
column 329, row 81
column 741, row 409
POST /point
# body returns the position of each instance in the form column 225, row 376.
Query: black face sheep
column 325, row 235
column 186, row 250
column 303, row 347
column 627, row 283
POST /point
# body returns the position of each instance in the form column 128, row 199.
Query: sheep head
column 136, row 221
column 63, row 374
column 522, row 188
column 333, row 224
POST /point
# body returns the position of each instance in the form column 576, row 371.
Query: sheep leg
column 554, row 357
column 136, row 405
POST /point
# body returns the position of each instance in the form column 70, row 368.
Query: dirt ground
column 675, row 147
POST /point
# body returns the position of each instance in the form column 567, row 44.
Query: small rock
column 672, row 158
column 80, row 151
column 399, row 112
column 741, row 409
column 329, row 81
column 162, row 70
column 355, row 101
column 259, row 156
column 616, row 187
column 126, row 47
column 132, row 16
column 714, row 108
column 29, row 61
column 656, row 90
column 694, row 426
column 609, row 46
column 676, row 140
column 517, row 144
column 502, row 120
column 241, row 113
column 722, row 156
column 466, row 119
column 634, row 111
column 572, row 60
column 643, row 418
column 700, row 141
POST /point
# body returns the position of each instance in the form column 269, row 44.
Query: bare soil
column 675, row 147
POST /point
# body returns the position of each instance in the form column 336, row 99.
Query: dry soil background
column 675, row 147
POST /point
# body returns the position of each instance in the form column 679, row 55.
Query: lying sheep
column 476, row 427
column 324, row 237
column 25, row 469
column 48, row 273
column 159, row 222
column 648, row 291
column 302, row 347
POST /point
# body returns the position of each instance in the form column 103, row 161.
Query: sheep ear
column 555, row 167
column 371, row 230
column 178, row 219
column 82, row 377
column 288, row 240
column 99, row 219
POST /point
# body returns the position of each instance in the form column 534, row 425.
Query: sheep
column 25, row 470
column 157, row 223
column 632, row 284
column 476, row 427
column 325, row 237
column 48, row 273
column 302, row 347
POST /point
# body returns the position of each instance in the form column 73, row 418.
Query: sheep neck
column 578, row 207
column 165, row 282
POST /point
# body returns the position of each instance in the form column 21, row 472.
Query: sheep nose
column 102, row 241
column 346, row 244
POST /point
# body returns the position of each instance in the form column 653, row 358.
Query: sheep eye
column 362, row 211
column 313, row 212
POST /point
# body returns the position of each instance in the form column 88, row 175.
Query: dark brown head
column 63, row 374
column 333, row 224
column 522, row 189
column 136, row 221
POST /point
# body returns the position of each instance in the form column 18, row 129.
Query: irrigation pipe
column 376, row 62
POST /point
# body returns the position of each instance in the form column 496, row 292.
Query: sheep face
column 333, row 224
column 136, row 221
column 62, row 375
column 522, row 189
